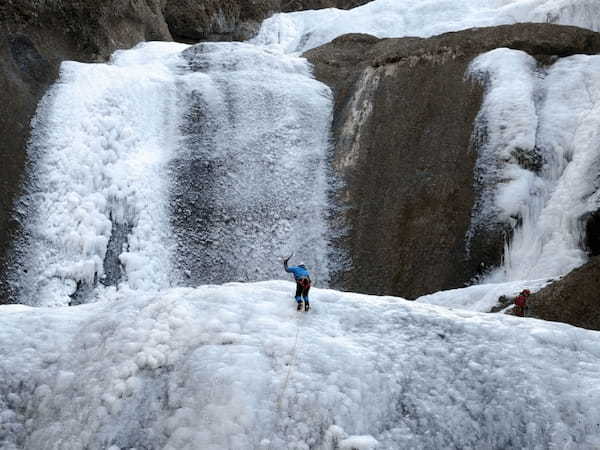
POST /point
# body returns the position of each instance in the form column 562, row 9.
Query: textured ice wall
column 540, row 161
column 251, row 174
column 235, row 367
column 301, row 31
column 102, row 137
column 165, row 167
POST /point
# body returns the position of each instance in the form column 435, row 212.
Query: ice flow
column 169, row 166
column 540, row 158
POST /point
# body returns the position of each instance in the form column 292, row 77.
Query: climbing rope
column 288, row 376
column 299, row 321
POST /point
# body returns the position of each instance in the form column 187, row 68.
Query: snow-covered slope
column 481, row 297
column 301, row 31
column 235, row 367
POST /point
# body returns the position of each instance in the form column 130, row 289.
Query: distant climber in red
column 521, row 303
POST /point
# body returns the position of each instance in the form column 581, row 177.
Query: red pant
column 302, row 288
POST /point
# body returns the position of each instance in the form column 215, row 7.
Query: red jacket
column 521, row 300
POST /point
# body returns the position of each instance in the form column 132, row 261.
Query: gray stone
column 403, row 124
column 574, row 299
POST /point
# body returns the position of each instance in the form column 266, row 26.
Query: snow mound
column 301, row 31
column 236, row 367
column 481, row 297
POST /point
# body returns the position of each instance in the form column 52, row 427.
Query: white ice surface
column 105, row 136
column 481, row 297
column 236, row 367
column 102, row 136
column 554, row 113
column 264, row 137
column 301, row 31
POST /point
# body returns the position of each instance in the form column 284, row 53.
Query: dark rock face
column 592, row 233
column 574, row 299
column 226, row 20
column 403, row 124
column 217, row 20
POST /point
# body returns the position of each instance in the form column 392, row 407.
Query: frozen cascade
column 185, row 165
column 173, row 166
column 102, row 137
column 253, row 162
column 541, row 158
column 301, row 31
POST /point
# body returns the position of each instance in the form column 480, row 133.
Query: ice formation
column 481, row 297
column 240, row 131
column 540, row 158
column 235, row 367
column 113, row 150
column 254, row 159
column 102, row 137
column 301, row 31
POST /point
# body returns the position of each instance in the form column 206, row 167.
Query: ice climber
column 521, row 303
column 302, row 278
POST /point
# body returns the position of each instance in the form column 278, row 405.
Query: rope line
column 288, row 376
column 292, row 362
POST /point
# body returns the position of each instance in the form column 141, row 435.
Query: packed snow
column 482, row 297
column 540, row 159
column 301, row 31
column 236, row 367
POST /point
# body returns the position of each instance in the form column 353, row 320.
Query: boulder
column 403, row 123
column 574, row 299
column 217, row 20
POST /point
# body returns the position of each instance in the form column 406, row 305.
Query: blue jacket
column 299, row 272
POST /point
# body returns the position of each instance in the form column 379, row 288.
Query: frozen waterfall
column 173, row 165
column 540, row 159
column 253, row 160
column 301, row 31
column 176, row 166
column 102, row 137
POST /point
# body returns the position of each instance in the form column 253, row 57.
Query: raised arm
column 285, row 263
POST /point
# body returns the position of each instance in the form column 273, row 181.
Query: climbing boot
column 306, row 306
column 300, row 306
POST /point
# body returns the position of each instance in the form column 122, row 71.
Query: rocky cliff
column 403, row 127
column 574, row 299
column 218, row 20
